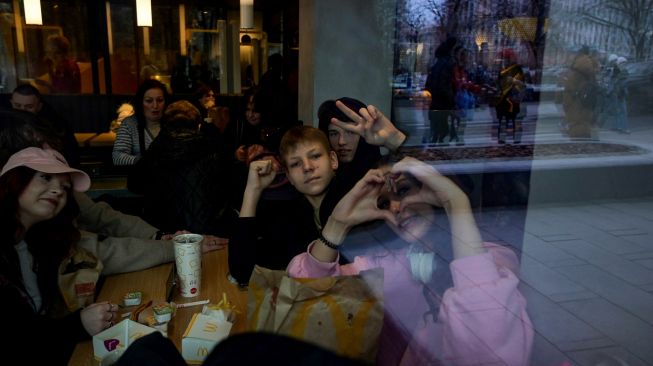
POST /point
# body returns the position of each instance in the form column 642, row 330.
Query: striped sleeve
column 126, row 149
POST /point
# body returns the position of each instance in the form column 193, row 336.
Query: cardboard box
column 201, row 336
column 110, row 344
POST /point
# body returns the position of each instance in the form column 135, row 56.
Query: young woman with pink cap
column 37, row 233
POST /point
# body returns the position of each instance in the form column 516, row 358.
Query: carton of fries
column 206, row 329
column 111, row 343
column 201, row 336
column 223, row 310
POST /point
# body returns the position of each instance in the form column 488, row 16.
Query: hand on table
column 211, row 243
column 99, row 316
column 171, row 236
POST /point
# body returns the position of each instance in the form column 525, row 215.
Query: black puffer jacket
column 185, row 181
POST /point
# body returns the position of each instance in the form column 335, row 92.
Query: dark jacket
column 34, row 338
column 283, row 227
column 440, row 80
column 185, row 181
column 64, row 131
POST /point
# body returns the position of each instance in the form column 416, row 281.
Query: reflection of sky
column 418, row 8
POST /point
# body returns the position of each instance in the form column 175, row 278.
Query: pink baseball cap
column 47, row 161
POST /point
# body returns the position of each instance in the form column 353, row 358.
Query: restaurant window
column 556, row 167
column 53, row 57
column 139, row 53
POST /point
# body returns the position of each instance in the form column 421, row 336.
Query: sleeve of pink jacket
column 482, row 319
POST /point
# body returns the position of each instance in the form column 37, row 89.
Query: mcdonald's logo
column 202, row 352
column 210, row 327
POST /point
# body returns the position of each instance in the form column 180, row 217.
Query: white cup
column 188, row 257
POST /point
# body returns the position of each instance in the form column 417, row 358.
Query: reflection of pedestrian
column 64, row 73
column 440, row 83
column 465, row 99
column 620, row 94
column 511, row 86
column 579, row 96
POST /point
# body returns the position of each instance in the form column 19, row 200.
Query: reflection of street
column 585, row 236
column 541, row 123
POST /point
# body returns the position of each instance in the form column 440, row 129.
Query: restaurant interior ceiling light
column 247, row 14
column 144, row 13
column 33, row 12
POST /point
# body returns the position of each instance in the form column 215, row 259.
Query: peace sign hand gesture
column 372, row 125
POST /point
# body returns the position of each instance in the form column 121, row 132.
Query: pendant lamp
column 246, row 14
column 33, row 12
column 144, row 13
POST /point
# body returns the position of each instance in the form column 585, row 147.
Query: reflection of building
column 572, row 24
column 573, row 29
column 479, row 23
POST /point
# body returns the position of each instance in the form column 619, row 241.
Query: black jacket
column 283, row 227
column 186, row 182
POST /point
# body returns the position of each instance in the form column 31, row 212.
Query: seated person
column 182, row 176
column 136, row 132
column 63, row 72
column 474, row 316
column 270, row 232
column 37, row 234
column 123, row 243
column 216, row 119
column 28, row 98
column 345, row 121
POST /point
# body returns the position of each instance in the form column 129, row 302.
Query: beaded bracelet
column 327, row 242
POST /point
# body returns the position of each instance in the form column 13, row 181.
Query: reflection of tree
column 411, row 18
column 437, row 10
column 632, row 17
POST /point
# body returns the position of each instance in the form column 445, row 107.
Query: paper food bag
column 343, row 314
column 78, row 275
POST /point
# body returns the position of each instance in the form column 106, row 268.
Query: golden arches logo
column 210, row 327
column 202, row 351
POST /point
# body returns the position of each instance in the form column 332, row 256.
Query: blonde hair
column 301, row 135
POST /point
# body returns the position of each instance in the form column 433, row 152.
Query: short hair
column 328, row 110
column 27, row 89
column 181, row 116
column 301, row 135
column 21, row 129
column 202, row 91
column 61, row 43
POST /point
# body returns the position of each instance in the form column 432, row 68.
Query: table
column 153, row 283
column 105, row 139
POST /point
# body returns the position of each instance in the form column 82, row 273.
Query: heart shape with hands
column 403, row 195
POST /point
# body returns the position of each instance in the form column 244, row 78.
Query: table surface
column 105, row 139
column 153, row 283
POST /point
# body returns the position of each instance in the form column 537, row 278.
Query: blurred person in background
column 27, row 98
column 184, row 176
column 136, row 132
column 63, row 70
column 619, row 94
column 580, row 95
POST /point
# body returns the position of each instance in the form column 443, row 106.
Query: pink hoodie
column 482, row 319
